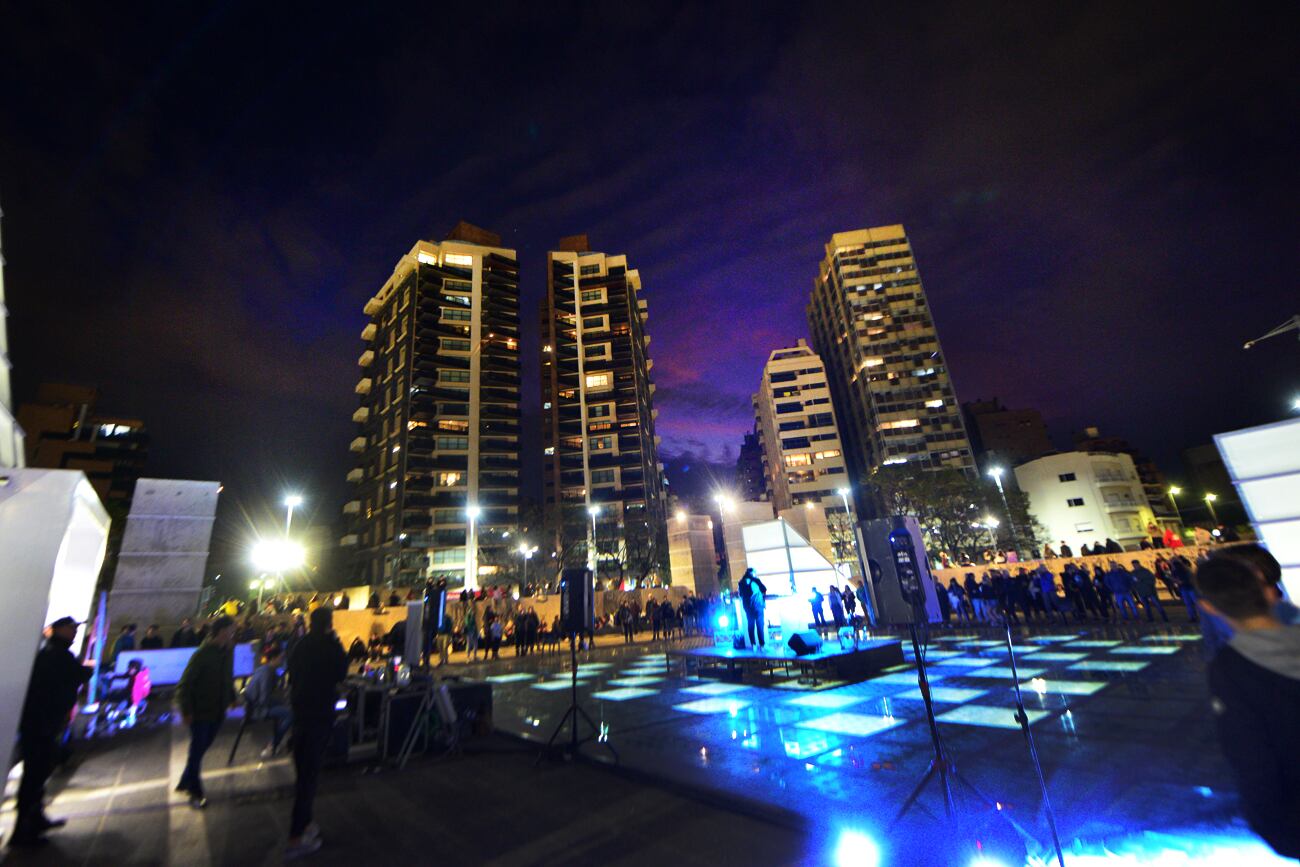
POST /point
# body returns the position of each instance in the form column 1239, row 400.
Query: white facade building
column 692, row 556
column 803, row 456
column 1083, row 498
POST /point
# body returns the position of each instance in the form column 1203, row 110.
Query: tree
column 954, row 509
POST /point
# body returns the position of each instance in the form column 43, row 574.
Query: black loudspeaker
column 738, row 642
column 804, row 643
column 577, row 601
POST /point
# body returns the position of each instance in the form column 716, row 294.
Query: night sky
column 198, row 203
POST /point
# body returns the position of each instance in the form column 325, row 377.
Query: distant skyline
column 197, row 205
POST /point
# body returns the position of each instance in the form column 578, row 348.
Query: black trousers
column 310, row 738
column 39, row 753
column 754, row 623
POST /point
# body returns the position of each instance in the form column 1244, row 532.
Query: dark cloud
column 197, row 206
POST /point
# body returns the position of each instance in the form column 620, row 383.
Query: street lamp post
column 996, row 473
column 1209, row 504
column 991, row 524
column 275, row 557
column 471, row 548
column 1174, row 491
column 592, row 510
column 291, row 502
column 527, row 553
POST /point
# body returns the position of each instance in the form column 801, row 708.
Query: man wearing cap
column 51, row 695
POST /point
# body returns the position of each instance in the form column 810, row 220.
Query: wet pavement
column 1119, row 713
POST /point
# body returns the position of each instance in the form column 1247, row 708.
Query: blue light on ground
column 856, row 849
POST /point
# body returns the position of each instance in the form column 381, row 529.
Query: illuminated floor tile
column 1172, row 638
column 634, row 681
column 984, row 643
column 1059, row 657
column 713, row 705
column 555, row 685
column 902, row 679
column 1065, row 687
column 715, row 688
column 594, row 666
column 829, row 700
column 993, row 717
column 1074, row 644
column 942, row 654
column 623, row 694
column 1108, row 665
column 1147, row 651
column 859, row 724
column 945, row 694
column 1001, row 671
column 1060, row 636
column 969, row 662
column 510, row 678
column 907, row 666
column 793, row 683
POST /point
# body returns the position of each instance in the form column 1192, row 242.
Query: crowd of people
column 1102, row 593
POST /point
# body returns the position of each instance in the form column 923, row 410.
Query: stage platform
column 851, row 664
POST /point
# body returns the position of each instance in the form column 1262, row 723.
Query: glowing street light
column 593, row 510
column 275, row 556
column 291, row 502
column 681, row 515
column 1174, row 491
column 1209, row 504
column 472, row 513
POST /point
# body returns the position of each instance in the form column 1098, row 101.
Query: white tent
column 53, row 535
column 1264, row 463
column 791, row 569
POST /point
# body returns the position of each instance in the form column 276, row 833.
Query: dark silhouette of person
column 753, row 597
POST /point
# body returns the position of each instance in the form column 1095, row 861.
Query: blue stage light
column 724, row 621
column 856, row 849
column 986, row 861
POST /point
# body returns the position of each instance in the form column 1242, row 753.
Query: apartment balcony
column 367, row 358
column 350, row 540
column 352, row 507
column 361, row 415
column 373, row 306
column 356, row 475
column 358, row 444
column 368, row 333
column 363, row 387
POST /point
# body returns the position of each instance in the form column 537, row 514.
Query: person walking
column 851, row 604
column 152, row 638
column 51, row 696
column 1144, row 584
column 1181, row 570
column 316, row 669
column 957, row 601
column 753, row 598
column 205, row 691
column 628, row 623
column 471, row 631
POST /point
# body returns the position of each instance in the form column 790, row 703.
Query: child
column 1255, row 688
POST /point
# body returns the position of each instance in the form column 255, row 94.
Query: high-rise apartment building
column 803, row 457
column 751, row 479
column 11, row 434
column 1004, row 437
column 437, row 444
column 871, row 325
column 600, row 463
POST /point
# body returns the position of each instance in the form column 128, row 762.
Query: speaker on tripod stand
column 577, row 617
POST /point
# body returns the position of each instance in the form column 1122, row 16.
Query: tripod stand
column 420, row 726
column 571, row 715
column 941, row 766
column 1023, row 719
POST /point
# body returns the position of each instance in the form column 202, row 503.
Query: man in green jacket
column 206, row 690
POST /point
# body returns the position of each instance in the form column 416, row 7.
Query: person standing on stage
column 51, row 695
column 753, row 598
column 316, row 668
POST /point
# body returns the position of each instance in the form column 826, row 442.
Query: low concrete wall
column 1057, row 565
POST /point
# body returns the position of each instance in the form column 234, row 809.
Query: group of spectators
column 1114, row 592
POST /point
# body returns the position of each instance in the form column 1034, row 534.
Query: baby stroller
column 124, row 698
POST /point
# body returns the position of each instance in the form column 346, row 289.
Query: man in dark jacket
column 206, row 690
column 1144, row 586
column 753, row 597
column 316, row 668
column 1255, row 689
column 51, row 695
